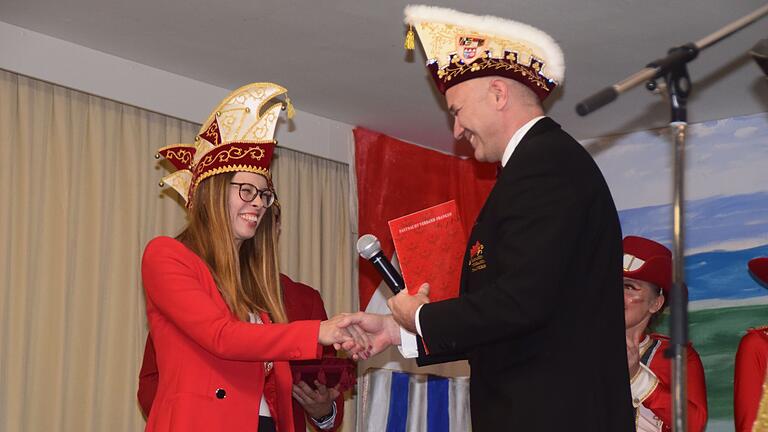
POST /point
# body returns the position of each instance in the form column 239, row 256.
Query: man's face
column 471, row 105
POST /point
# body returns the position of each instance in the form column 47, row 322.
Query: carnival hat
column 759, row 268
column 460, row 47
column 649, row 261
column 237, row 136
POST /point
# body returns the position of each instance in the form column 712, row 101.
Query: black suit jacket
column 540, row 316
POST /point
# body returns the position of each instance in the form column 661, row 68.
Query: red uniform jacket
column 749, row 375
column 660, row 399
column 213, row 364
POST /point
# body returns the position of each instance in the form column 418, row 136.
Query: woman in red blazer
column 302, row 302
column 213, row 298
column 322, row 407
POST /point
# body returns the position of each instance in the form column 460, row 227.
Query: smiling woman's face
column 245, row 216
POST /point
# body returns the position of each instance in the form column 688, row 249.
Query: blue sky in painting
column 732, row 222
column 724, row 157
column 726, row 198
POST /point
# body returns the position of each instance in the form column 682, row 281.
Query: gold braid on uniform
column 761, row 420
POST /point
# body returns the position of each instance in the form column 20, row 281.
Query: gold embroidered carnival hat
column 237, row 136
column 460, row 46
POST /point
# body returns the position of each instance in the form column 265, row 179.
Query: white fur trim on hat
column 549, row 50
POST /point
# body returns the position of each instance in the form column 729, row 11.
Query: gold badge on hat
column 467, row 47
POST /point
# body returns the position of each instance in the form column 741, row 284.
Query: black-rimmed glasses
column 249, row 192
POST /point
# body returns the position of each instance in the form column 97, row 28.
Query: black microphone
column 368, row 247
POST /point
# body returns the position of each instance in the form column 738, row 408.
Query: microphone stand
column 658, row 68
column 673, row 70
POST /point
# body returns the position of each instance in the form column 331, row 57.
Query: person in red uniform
column 750, row 405
column 324, row 407
column 647, row 281
column 214, row 305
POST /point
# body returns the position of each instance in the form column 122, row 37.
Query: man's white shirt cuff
column 408, row 346
column 416, row 319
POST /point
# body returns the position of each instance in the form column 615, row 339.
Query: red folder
column 430, row 248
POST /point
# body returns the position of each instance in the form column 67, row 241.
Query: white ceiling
column 344, row 59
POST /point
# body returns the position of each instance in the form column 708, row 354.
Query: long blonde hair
column 248, row 279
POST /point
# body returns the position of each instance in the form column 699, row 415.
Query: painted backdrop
column 727, row 224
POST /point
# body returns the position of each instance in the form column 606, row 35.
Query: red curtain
column 395, row 178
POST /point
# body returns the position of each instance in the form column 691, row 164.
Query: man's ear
column 500, row 92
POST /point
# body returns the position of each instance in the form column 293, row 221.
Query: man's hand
column 381, row 330
column 354, row 340
column 633, row 355
column 404, row 305
column 316, row 402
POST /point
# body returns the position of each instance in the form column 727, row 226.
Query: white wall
column 60, row 62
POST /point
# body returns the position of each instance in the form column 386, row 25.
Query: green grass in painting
column 715, row 334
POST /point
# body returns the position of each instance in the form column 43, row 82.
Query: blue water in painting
column 723, row 275
column 714, row 274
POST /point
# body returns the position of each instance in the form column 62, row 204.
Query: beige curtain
column 79, row 200
column 316, row 244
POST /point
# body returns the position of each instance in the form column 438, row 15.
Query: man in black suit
column 540, row 315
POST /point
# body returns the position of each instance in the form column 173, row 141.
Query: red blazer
column 660, row 400
column 301, row 303
column 749, row 375
column 213, row 364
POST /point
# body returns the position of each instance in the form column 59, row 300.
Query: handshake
column 364, row 335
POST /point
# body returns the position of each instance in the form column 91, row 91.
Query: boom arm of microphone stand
column 677, row 57
column 609, row 94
